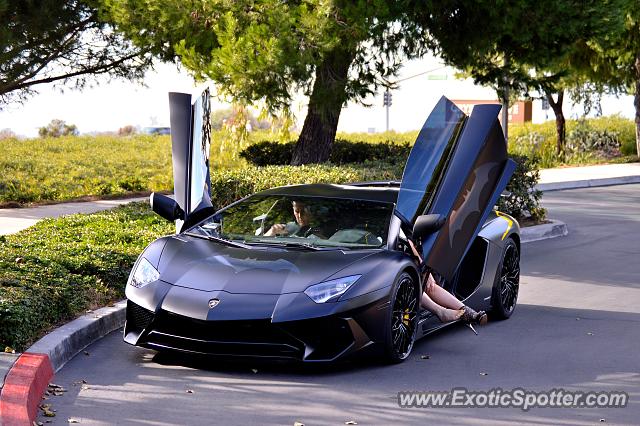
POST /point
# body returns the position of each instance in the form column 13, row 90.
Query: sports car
column 319, row 272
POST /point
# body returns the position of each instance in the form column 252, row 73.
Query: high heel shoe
column 470, row 317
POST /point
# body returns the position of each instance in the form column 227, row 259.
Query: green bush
column 589, row 141
column 59, row 268
column 266, row 153
column 523, row 200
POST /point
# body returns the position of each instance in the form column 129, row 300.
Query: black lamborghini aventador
column 318, row 272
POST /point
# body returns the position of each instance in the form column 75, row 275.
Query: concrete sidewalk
column 14, row 220
column 588, row 176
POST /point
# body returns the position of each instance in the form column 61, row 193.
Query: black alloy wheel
column 507, row 284
column 403, row 319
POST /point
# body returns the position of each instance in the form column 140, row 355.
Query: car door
column 458, row 167
column 190, row 146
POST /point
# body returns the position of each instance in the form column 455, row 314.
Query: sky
column 108, row 106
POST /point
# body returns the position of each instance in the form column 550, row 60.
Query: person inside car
column 304, row 226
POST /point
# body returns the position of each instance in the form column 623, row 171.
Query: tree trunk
column 636, row 103
column 561, row 131
column 325, row 104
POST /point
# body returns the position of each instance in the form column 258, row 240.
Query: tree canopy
column 57, row 128
column 44, row 41
column 267, row 51
column 614, row 61
column 519, row 47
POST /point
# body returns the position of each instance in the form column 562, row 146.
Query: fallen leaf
column 351, row 422
column 9, row 350
column 47, row 411
column 425, row 356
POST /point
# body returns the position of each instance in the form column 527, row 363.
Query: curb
column 29, row 376
column 26, row 382
column 543, row 232
column 66, row 341
column 589, row 183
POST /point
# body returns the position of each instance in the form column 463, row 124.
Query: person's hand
column 277, row 229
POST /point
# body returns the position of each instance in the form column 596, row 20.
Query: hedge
column 266, row 153
column 59, row 268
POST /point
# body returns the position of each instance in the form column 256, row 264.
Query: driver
column 302, row 227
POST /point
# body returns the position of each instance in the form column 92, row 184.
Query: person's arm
column 430, row 280
column 276, row 229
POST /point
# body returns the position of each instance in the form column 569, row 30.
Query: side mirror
column 166, row 207
column 427, row 224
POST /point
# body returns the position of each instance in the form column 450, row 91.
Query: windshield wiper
column 221, row 240
column 307, row 246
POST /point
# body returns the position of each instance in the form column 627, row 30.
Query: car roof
column 371, row 191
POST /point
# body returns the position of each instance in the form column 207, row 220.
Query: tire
column 504, row 294
column 402, row 318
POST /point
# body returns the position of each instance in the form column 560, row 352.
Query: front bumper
column 347, row 327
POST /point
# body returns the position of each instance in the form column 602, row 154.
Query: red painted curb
column 23, row 389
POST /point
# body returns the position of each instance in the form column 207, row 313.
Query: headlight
column 330, row 291
column 144, row 274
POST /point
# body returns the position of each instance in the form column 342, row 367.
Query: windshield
column 301, row 221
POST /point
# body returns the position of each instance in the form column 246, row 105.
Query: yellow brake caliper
column 405, row 317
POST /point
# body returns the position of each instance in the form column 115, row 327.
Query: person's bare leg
column 444, row 314
column 442, row 297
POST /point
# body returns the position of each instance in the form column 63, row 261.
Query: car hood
column 210, row 266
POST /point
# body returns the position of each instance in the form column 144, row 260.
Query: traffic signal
column 386, row 99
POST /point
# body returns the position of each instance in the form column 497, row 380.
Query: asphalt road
column 577, row 327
